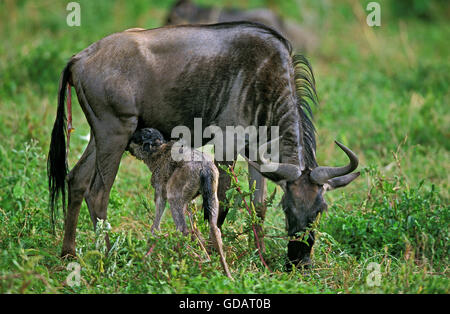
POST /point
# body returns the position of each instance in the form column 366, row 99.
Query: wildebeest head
column 145, row 141
column 303, row 200
column 186, row 12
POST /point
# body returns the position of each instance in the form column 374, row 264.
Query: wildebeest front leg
column 259, row 197
column 224, row 185
column 78, row 181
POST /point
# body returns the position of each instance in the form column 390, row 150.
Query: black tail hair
column 57, row 167
column 206, row 184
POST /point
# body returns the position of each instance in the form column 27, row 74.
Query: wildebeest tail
column 57, row 167
column 206, row 186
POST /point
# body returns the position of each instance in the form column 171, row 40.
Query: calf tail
column 208, row 193
column 57, row 167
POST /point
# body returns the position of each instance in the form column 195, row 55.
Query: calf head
column 145, row 142
column 186, row 12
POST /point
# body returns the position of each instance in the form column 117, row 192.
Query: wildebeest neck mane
column 306, row 94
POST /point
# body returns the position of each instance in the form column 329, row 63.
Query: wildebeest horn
column 283, row 171
column 342, row 181
column 321, row 175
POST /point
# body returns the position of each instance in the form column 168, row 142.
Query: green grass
column 383, row 91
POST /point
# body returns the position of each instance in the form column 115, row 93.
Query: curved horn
column 273, row 170
column 321, row 175
column 341, row 181
column 284, row 171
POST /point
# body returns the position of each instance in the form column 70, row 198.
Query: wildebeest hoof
column 305, row 263
column 68, row 254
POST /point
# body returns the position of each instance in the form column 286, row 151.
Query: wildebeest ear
column 184, row 1
column 158, row 142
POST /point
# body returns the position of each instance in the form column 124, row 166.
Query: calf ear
column 146, row 147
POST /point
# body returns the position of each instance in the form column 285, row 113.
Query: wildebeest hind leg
column 78, row 181
column 111, row 141
column 112, row 118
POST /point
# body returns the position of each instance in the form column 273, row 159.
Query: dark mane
column 306, row 94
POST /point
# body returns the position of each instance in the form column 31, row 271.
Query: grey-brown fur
column 179, row 182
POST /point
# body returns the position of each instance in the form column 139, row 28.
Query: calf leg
column 211, row 200
column 215, row 234
column 78, row 181
column 179, row 193
column 160, row 204
column 177, row 208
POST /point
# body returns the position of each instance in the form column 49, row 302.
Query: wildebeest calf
column 179, row 181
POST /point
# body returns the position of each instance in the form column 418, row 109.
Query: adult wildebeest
column 227, row 74
column 187, row 12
